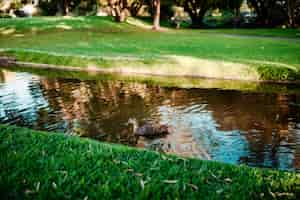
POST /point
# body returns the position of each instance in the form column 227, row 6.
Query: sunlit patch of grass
column 8, row 31
column 39, row 165
column 63, row 26
column 19, row 35
column 168, row 66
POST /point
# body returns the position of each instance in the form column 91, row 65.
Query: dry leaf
column 272, row 194
column 29, row 191
column 54, row 185
column 142, row 184
column 138, row 174
column 219, row 191
column 170, row 181
column 37, row 188
column 213, row 175
column 228, row 180
column 280, row 194
column 193, row 186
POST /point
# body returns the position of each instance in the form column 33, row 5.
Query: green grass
column 258, row 32
column 272, row 32
column 101, row 42
column 40, row 165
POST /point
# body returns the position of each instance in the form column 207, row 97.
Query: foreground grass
column 100, row 42
column 39, row 165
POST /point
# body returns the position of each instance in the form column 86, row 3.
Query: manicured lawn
column 39, row 165
column 94, row 41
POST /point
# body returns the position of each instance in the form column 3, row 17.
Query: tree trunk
column 120, row 14
column 66, row 7
column 156, row 17
column 197, row 20
column 60, row 8
column 291, row 12
column 118, row 9
column 196, row 13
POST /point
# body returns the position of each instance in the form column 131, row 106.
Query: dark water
column 254, row 128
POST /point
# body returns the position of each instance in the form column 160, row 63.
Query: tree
column 263, row 9
column 135, row 7
column 65, row 7
column 119, row 8
column 233, row 5
column 196, row 9
column 123, row 8
column 156, row 17
column 268, row 10
column 297, row 12
column 292, row 8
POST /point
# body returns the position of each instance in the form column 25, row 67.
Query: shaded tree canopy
column 65, row 7
column 196, row 9
column 276, row 12
column 233, row 5
column 292, row 10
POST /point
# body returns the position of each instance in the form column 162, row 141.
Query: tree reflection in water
column 237, row 127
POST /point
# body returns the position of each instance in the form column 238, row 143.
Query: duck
column 149, row 130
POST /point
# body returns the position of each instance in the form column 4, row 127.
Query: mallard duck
column 149, row 130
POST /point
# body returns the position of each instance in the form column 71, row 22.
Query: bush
column 217, row 19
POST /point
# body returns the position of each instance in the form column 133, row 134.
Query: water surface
column 253, row 127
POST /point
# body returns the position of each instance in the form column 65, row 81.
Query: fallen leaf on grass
column 170, row 181
column 124, row 163
column 280, row 194
column 37, row 188
column 29, row 192
column 272, row 194
column 54, row 185
column 117, row 161
column 193, row 186
column 138, row 174
column 228, row 180
column 142, row 184
column 219, row 191
column 213, row 175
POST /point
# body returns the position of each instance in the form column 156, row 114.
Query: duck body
column 150, row 130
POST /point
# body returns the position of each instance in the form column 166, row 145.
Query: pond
column 250, row 124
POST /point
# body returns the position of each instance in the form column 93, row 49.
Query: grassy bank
column 92, row 42
column 166, row 81
column 43, row 165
